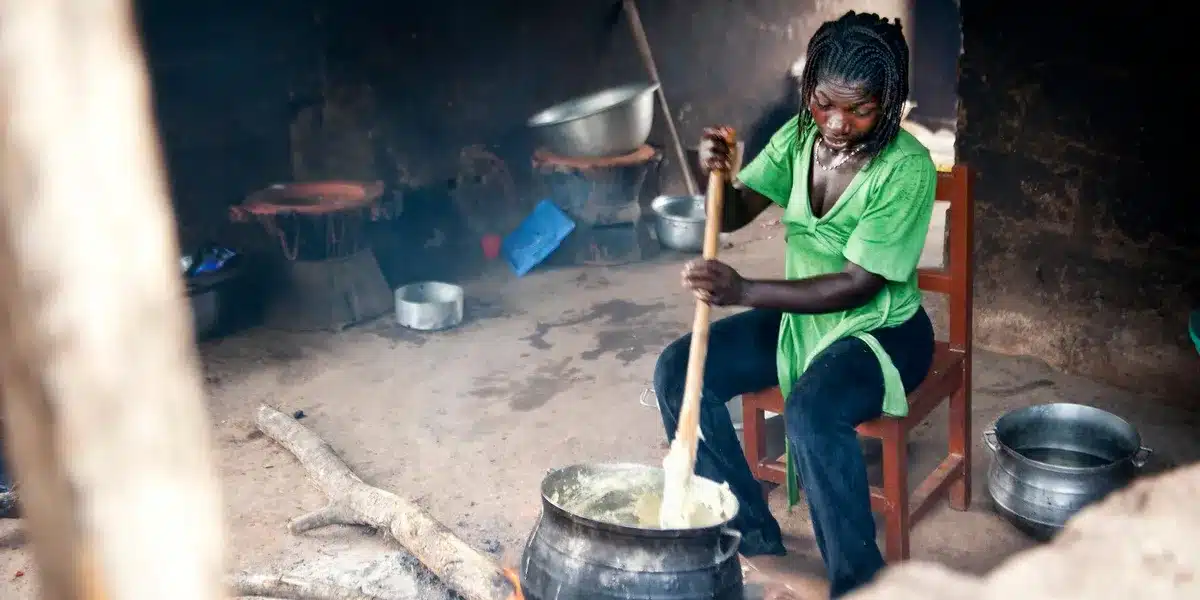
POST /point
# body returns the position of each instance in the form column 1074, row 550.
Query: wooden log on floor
column 353, row 502
column 105, row 421
column 284, row 587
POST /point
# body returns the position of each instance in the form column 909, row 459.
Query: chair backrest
column 956, row 276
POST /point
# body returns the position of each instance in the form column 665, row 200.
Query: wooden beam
column 103, row 407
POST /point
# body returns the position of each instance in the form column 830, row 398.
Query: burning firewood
column 352, row 502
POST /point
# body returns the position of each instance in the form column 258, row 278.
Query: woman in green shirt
column 843, row 334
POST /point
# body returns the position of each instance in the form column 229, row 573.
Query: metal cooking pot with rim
column 587, row 544
column 1049, row 461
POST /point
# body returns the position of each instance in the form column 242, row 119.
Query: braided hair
column 866, row 49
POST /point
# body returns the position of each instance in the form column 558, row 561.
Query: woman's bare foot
column 781, row 592
column 778, row 585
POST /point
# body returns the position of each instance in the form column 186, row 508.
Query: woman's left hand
column 713, row 282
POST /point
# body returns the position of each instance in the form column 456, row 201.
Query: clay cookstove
column 604, row 196
column 331, row 278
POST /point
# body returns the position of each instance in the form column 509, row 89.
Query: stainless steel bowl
column 679, row 222
column 612, row 122
column 429, row 305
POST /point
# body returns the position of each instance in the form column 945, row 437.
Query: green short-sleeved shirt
column 879, row 223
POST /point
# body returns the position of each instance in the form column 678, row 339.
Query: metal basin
column 679, row 222
column 612, row 122
column 1052, row 460
column 429, row 305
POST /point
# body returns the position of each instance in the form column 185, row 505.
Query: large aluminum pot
column 679, row 222
column 597, row 538
column 1051, row 460
column 613, row 122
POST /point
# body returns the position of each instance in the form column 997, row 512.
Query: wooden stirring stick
column 675, row 506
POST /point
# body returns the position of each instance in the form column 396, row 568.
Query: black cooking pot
column 1049, row 461
column 596, row 539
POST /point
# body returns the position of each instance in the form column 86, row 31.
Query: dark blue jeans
column 842, row 388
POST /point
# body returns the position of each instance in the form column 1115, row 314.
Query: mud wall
column 224, row 74
column 1086, row 256
column 454, row 73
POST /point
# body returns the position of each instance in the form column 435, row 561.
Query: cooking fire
column 513, row 578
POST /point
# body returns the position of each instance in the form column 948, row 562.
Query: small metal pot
column 429, row 305
column 1051, row 460
column 612, row 122
column 206, row 311
column 208, row 295
column 679, row 222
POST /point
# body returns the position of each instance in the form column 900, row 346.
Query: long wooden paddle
column 680, row 463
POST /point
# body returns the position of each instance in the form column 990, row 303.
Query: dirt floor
column 547, row 370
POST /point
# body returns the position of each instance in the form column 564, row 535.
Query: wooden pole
column 643, row 46
column 103, row 407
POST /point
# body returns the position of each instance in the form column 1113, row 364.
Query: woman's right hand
column 715, row 152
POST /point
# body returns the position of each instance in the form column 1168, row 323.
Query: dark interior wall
column 1087, row 247
column 222, row 74
column 455, row 73
column 229, row 78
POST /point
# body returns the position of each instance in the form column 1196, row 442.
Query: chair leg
column 960, row 443
column 895, row 488
column 754, row 441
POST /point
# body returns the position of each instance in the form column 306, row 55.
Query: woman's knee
column 670, row 370
column 837, row 390
column 804, row 413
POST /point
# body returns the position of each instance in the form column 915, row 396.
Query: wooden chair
column 949, row 377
